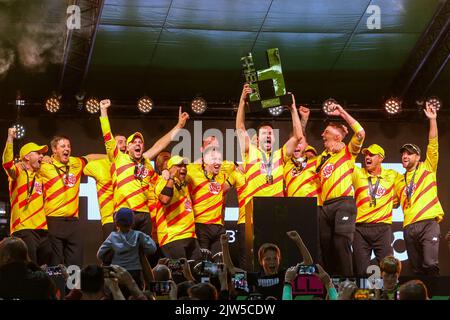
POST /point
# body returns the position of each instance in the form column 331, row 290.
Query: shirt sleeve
column 431, row 161
column 110, row 143
column 8, row 162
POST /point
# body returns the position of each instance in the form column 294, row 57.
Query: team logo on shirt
column 187, row 205
column 380, row 192
column 327, row 170
column 214, row 187
column 38, row 187
column 69, row 180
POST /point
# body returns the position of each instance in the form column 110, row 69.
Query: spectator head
column 413, row 290
column 162, row 273
column 269, row 257
column 13, row 249
column 161, row 161
column 92, row 279
column 390, row 271
column 124, row 218
column 203, row 291
column 183, row 288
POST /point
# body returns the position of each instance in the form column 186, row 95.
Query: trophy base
column 257, row 106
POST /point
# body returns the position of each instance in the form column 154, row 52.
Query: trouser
column 107, row 228
column 422, row 246
column 368, row 237
column 142, row 222
column 242, row 250
column 66, row 240
column 336, row 228
column 38, row 243
column 184, row 248
column 208, row 236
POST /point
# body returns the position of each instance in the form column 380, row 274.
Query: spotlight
column 198, row 105
column 145, row 104
column 328, row 106
column 276, row 111
column 92, row 105
column 53, row 104
column 435, row 102
column 393, row 106
column 20, row 130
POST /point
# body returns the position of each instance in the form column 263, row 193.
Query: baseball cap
column 30, row 147
column 124, row 216
column 411, row 148
column 176, row 160
column 311, row 148
column 374, row 149
column 136, row 134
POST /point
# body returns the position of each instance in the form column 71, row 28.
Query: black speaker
column 273, row 217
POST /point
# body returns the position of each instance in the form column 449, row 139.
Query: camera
column 175, row 266
column 160, row 288
column 210, row 268
column 307, row 269
column 54, row 271
column 239, row 280
column 364, row 294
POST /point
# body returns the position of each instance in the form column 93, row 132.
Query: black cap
column 411, row 148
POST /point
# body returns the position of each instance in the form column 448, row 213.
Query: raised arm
column 297, row 136
column 110, row 143
column 166, row 193
column 359, row 133
column 304, row 117
column 244, row 140
column 8, row 155
column 307, row 259
column 163, row 142
column 432, row 149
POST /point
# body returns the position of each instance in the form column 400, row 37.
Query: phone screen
column 160, row 288
column 240, row 281
column 54, row 271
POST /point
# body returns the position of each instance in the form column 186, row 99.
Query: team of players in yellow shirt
column 186, row 202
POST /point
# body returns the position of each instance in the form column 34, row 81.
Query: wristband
column 166, row 191
column 356, row 127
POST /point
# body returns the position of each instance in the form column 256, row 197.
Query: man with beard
column 100, row 170
column 417, row 190
column 61, row 177
column 175, row 218
column 263, row 165
column 375, row 198
column 338, row 214
column 133, row 175
column 28, row 220
column 208, row 182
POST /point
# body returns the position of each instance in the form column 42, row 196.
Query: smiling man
column 133, row 176
column 62, row 177
column 375, row 198
column 28, row 220
column 338, row 214
column 417, row 190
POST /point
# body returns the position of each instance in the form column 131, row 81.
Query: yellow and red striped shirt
column 256, row 172
column 424, row 202
column 381, row 211
column 153, row 204
column 174, row 221
column 129, row 191
column 25, row 214
column 207, row 194
column 237, row 179
column 101, row 171
column 336, row 172
column 62, row 186
column 302, row 181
